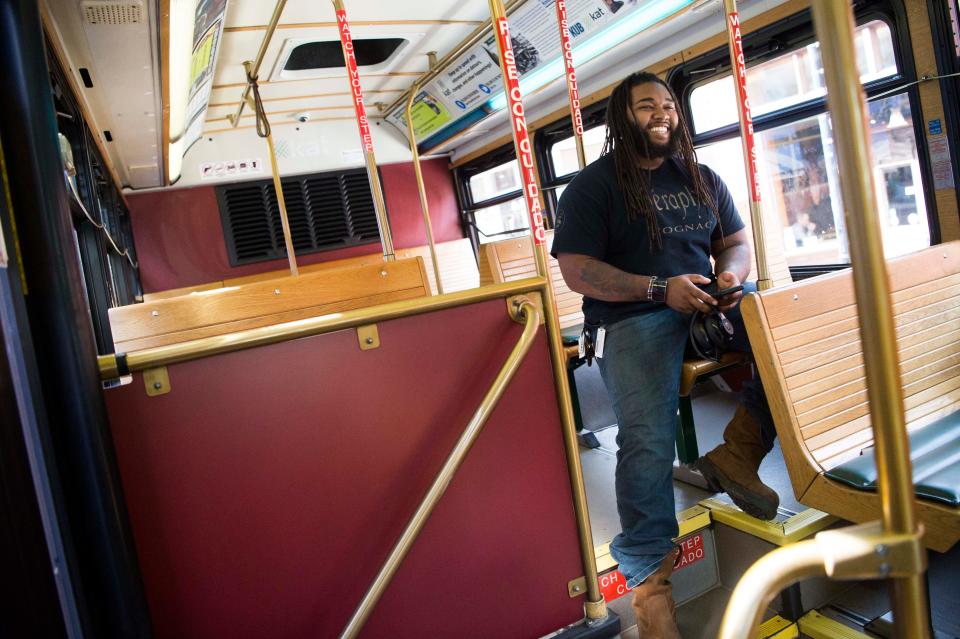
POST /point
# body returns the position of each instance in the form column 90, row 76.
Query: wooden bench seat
column 458, row 269
column 807, row 346
column 244, row 306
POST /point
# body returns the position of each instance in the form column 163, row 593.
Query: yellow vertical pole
column 573, row 92
column 835, row 30
column 284, row 221
column 424, row 209
column 750, row 160
column 595, row 606
column 366, row 140
column 263, row 126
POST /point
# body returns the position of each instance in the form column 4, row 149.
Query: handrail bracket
column 866, row 552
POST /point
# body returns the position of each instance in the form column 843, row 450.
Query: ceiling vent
column 379, row 50
column 108, row 12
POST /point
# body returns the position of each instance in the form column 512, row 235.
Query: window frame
column 468, row 206
column 593, row 116
column 790, row 34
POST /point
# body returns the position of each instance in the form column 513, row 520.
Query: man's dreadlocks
column 629, row 147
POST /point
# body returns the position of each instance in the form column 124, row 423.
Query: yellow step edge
column 777, row 628
column 816, row 626
column 779, row 533
column 690, row 520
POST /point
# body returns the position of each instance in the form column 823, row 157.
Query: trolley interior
column 359, row 409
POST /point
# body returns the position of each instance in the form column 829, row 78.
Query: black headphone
column 710, row 334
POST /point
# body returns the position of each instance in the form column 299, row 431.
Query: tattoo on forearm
column 610, row 283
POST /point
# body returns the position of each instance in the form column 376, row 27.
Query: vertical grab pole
column 751, row 165
column 282, row 203
column 428, row 227
column 264, row 130
column 835, row 30
column 573, row 93
column 350, row 61
column 595, row 606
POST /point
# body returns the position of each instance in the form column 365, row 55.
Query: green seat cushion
column 934, row 454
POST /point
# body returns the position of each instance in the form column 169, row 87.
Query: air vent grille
column 326, row 211
column 112, row 13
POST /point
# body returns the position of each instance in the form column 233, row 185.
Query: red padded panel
column 403, row 202
column 266, row 489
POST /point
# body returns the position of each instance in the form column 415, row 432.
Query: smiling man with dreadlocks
column 635, row 234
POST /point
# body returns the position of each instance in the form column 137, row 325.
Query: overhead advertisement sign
column 208, row 27
column 465, row 88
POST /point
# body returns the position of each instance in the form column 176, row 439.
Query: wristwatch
column 658, row 290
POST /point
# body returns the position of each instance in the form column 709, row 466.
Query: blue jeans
column 640, row 367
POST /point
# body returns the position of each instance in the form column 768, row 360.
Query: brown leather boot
column 653, row 604
column 732, row 467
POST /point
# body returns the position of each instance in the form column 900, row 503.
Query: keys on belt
column 590, row 344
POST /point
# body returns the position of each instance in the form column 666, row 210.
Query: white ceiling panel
column 126, row 70
column 258, row 12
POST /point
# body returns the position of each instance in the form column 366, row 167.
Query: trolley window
column 790, row 80
column 492, row 201
column 563, row 154
column 800, row 181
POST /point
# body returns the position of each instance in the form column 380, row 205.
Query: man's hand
column 726, row 279
column 684, row 296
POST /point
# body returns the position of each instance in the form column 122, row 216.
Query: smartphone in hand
column 728, row 291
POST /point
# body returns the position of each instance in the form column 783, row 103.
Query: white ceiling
column 123, row 60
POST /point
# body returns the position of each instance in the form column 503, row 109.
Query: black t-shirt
column 592, row 221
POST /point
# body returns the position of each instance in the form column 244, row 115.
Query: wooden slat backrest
column 232, row 309
column 458, row 268
column 509, row 260
column 806, row 341
column 458, row 264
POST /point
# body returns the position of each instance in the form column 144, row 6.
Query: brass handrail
column 265, row 131
column 750, row 162
column 858, row 552
column 525, row 311
column 421, row 189
column 834, row 26
column 763, row 580
column 595, row 605
column 234, row 119
column 111, row 365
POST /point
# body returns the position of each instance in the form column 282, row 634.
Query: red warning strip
column 524, row 148
column 354, row 75
column 741, row 79
column 572, row 90
column 613, row 584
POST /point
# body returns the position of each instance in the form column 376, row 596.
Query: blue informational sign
column 935, row 127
